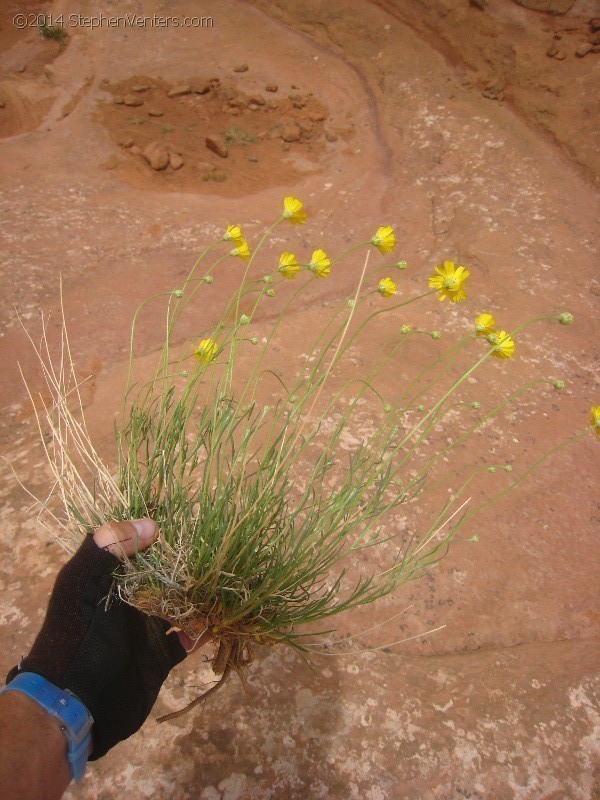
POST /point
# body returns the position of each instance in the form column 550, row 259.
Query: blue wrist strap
column 74, row 718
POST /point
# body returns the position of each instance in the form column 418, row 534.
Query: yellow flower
column 233, row 234
column 503, row 345
column 241, row 251
column 292, row 210
column 384, row 240
column 387, row 287
column 449, row 281
column 206, row 351
column 288, row 265
column 595, row 419
column 484, row 325
column 319, row 265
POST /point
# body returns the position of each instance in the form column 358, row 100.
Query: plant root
column 223, row 656
column 231, row 655
column 198, row 700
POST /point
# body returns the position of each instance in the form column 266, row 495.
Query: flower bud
column 491, row 469
column 508, row 468
column 244, row 320
column 436, row 335
column 565, row 318
column 406, row 328
column 559, row 384
column 178, row 293
column 208, row 279
column 254, row 340
column 268, row 279
column 270, row 292
column 475, row 405
column 401, row 265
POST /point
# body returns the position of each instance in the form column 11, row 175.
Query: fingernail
column 145, row 529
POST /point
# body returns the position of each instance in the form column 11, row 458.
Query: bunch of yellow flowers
column 251, row 548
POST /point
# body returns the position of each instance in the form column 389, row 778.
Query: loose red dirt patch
column 207, row 135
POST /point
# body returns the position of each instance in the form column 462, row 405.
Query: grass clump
column 216, row 177
column 55, row 32
column 235, row 136
column 266, row 479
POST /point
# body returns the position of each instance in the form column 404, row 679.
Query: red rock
column 205, row 166
column 133, row 100
column 298, row 100
column 180, row 90
column 583, row 49
column 200, row 86
column 217, row 146
column 291, row 133
column 156, row 155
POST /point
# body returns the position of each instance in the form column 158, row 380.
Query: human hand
column 111, row 656
column 122, row 542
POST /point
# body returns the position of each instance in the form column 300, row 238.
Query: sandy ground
column 471, row 127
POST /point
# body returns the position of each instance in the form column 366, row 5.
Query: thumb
column 126, row 538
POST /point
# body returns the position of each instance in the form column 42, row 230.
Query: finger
column 126, row 538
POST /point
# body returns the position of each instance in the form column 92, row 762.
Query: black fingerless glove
column 113, row 657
